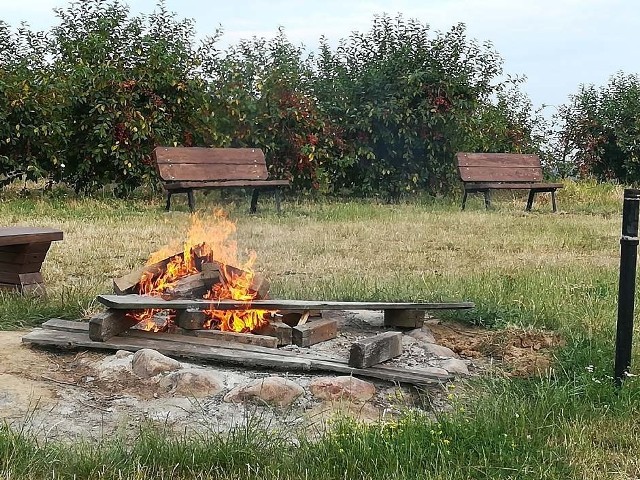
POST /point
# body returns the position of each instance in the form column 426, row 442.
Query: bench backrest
column 499, row 167
column 180, row 164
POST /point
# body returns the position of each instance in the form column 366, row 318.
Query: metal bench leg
column 276, row 194
column 487, row 199
column 168, row 206
column 464, row 199
column 254, row 200
column 553, row 201
column 191, row 200
column 532, row 194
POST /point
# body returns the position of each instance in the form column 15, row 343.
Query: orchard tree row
column 383, row 113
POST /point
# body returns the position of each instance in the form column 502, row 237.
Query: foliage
column 601, row 127
column 382, row 114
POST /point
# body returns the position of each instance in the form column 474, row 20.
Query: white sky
column 556, row 44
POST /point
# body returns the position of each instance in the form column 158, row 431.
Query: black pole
column 627, row 283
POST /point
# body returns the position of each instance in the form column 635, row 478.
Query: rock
column 113, row 367
column 192, row 383
column 147, row 363
column 455, row 366
column 423, row 335
column 438, row 350
column 123, row 354
column 342, row 388
column 434, row 370
column 276, row 391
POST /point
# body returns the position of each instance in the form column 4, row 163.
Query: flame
column 205, row 244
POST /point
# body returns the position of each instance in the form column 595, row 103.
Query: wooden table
column 22, row 251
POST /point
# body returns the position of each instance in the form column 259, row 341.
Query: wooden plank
column 205, row 155
column 243, row 338
column 128, row 283
column 21, row 278
column 191, row 319
column 500, row 174
column 18, row 267
column 377, row 349
column 181, row 186
column 137, row 302
column 199, row 172
column 80, row 327
column 18, row 235
column 34, row 247
column 23, row 257
column 107, row 324
column 75, row 340
column 314, row 332
column 466, row 159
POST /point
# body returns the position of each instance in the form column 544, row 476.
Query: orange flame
column 205, row 244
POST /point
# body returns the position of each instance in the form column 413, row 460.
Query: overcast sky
column 556, row 44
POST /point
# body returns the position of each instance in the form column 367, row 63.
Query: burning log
column 130, row 282
column 281, row 331
column 194, row 286
column 191, row 319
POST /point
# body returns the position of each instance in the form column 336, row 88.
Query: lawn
column 530, row 270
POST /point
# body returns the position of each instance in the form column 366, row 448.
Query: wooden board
column 199, row 171
column 500, row 174
column 141, row 302
column 18, row 235
column 188, row 185
column 314, row 332
column 205, row 155
column 73, row 335
column 466, row 159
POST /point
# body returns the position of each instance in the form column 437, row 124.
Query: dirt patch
column 516, row 351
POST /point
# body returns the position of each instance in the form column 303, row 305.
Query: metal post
column 627, row 282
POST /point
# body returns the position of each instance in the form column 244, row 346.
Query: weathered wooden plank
column 128, row 283
column 107, row 324
column 377, row 349
column 540, row 187
column 231, row 356
column 243, row 338
column 138, row 302
column 196, row 171
column 501, row 174
column 20, row 279
column 80, row 327
column 191, row 319
column 314, row 332
column 18, row 235
column 205, row 155
column 467, row 159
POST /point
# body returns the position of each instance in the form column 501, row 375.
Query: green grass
column 530, row 270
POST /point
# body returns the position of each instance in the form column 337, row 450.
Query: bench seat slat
column 501, row 174
column 497, row 160
column 222, row 184
column 512, row 186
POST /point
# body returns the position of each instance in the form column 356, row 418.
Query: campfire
column 205, row 267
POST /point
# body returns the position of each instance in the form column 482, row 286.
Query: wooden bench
column 185, row 169
column 22, row 251
column 483, row 172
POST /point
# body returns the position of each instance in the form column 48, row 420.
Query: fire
column 212, row 245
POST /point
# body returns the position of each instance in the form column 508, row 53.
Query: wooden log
column 280, row 330
column 244, row 338
column 141, row 302
column 314, row 332
column 377, row 349
column 293, row 317
column 191, row 319
column 192, row 286
column 129, row 283
column 259, row 283
column 404, row 318
column 110, row 323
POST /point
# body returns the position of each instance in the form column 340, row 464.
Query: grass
column 531, row 270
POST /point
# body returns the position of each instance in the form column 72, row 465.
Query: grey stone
column 455, row 366
column 422, row 334
column 276, row 391
column 192, row 383
column 342, row 388
column 147, row 363
column 438, row 350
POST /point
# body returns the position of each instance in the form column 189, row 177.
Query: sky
column 556, row 44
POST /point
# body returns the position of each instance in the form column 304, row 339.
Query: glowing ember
column 206, row 245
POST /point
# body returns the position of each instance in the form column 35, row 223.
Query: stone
column 147, row 363
column 192, row 382
column 342, row 388
column 434, row 370
column 123, row 354
column 276, row 391
column 422, row 334
column 455, row 366
column 438, row 350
